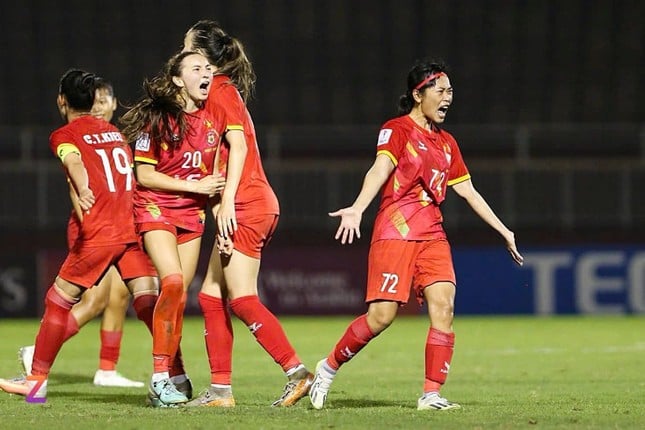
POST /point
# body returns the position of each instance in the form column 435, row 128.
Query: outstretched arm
column 478, row 204
column 350, row 217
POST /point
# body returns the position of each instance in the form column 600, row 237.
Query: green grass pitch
column 507, row 373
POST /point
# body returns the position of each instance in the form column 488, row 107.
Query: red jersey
column 426, row 162
column 108, row 161
column 191, row 160
column 254, row 195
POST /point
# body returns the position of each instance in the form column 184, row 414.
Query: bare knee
column 380, row 315
column 441, row 305
column 94, row 301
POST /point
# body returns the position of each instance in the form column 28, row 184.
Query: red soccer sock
column 164, row 320
column 357, row 335
column 144, row 307
column 439, row 349
column 51, row 334
column 176, row 366
column 218, row 335
column 71, row 328
column 110, row 349
column 267, row 330
column 177, row 361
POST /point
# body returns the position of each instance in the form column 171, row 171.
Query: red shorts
column 73, row 230
column 181, row 234
column 395, row 266
column 85, row 265
column 254, row 234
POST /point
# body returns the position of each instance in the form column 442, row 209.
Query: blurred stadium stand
column 548, row 100
column 549, row 178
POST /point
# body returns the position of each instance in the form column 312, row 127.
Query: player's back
column 108, row 161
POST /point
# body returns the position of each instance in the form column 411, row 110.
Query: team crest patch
column 211, row 137
column 143, row 142
column 384, row 136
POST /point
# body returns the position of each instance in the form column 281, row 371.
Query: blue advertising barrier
column 556, row 280
column 330, row 280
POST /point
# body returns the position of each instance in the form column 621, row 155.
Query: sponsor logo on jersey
column 384, row 136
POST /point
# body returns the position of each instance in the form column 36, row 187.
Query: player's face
column 196, row 76
column 436, row 100
column 104, row 104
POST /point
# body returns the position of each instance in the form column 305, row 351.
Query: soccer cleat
column 26, row 357
column 185, row 386
column 34, row 388
column 112, row 378
column 320, row 386
column 164, row 394
column 214, row 397
column 296, row 389
column 433, row 401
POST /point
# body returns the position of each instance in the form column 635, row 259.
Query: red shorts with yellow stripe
column 395, row 266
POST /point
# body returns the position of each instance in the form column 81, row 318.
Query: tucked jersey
column 190, row 160
column 426, row 163
column 108, row 161
column 254, row 194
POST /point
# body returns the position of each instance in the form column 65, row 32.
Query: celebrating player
column 416, row 162
column 175, row 148
column 97, row 162
column 110, row 297
column 246, row 220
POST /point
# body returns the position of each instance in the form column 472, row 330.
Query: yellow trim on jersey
column 389, row 154
column 234, row 127
column 145, row 160
column 458, row 180
column 64, row 149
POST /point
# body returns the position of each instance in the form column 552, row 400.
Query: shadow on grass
column 69, row 378
column 365, row 403
column 105, row 396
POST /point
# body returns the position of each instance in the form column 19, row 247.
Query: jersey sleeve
column 458, row 171
column 232, row 107
column 61, row 145
column 143, row 150
column 391, row 140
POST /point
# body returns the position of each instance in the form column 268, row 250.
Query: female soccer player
column 110, row 297
column 175, row 146
column 246, row 218
column 416, row 161
column 97, row 163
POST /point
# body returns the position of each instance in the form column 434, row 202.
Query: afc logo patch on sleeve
column 143, row 142
column 384, row 136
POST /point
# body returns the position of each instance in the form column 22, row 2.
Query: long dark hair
column 79, row 88
column 421, row 70
column 226, row 53
column 160, row 113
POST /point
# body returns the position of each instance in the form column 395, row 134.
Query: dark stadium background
column 548, row 111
